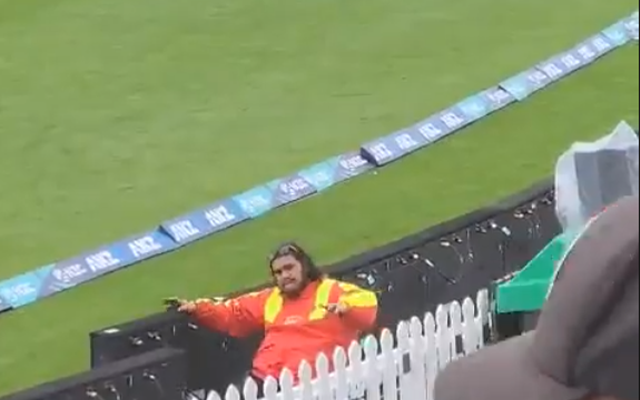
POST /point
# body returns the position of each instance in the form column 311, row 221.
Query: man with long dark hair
column 304, row 314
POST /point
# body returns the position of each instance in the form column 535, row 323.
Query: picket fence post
column 404, row 362
column 419, row 360
column 341, row 374
column 286, row 383
column 357, row 388
column 483, row 304
column 431, row 352
column 373, row 375
column 213, row 396
column 442, row 334
column 250, row 390
column 400, row 366
column 232, row 393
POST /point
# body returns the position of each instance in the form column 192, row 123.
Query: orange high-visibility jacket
column 295, row 329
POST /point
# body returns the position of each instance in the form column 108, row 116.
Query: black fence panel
column 156, row 375
column 173, row 330
column 412, row 276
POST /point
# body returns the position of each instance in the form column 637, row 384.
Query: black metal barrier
column 204, row 348
column 156, row 375
column 412, row 276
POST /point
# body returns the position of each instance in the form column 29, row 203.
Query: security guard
column 303, row 315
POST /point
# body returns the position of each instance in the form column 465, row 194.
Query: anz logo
column 353, row 163
column 405, row 141
column 473, row 108
column 254, row 203
column 430, row 132
column 538, row 78
column 293, row 187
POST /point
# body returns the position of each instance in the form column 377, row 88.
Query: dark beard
column 295, row 293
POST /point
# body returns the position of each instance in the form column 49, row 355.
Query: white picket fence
column 403, row 367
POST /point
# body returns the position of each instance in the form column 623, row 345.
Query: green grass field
column 115, row 115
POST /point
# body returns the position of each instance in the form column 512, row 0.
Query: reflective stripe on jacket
column 295, row 329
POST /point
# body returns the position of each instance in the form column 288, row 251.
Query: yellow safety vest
column 275, row 301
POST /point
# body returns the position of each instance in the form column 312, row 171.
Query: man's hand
column 187, row 307
column 337, row 308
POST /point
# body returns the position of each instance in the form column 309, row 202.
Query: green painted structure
column 527, row 290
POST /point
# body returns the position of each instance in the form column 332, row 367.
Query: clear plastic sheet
column 591, row 176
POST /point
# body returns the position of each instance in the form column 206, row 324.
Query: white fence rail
column 403, row 367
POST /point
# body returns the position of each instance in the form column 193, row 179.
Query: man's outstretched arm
column 238, row 317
